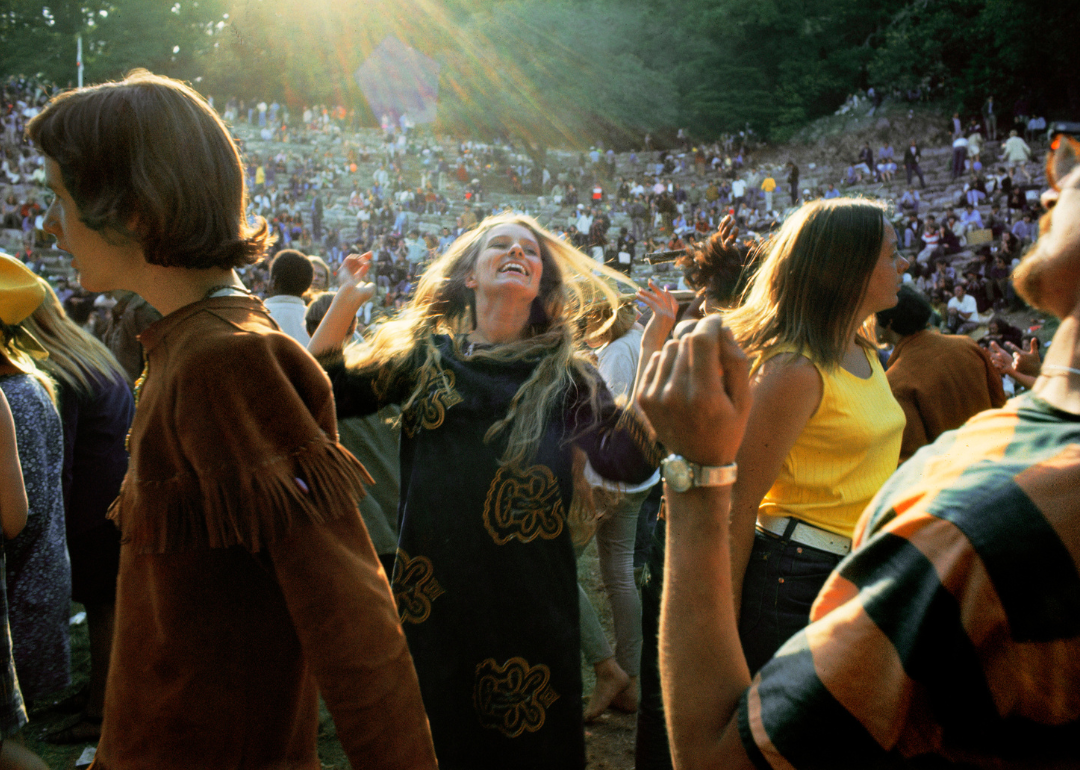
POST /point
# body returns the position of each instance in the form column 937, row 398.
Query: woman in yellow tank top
column 824, row 431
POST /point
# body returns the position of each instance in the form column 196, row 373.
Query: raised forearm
column 702, row 666
column 336, row 324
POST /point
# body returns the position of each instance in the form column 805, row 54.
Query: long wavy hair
column 13, row 353
column 571, row 284
column 76, row 357
column 806, row 294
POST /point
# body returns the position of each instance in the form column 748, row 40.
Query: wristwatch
column 681, row 475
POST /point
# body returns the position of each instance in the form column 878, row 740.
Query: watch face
column 677, row 473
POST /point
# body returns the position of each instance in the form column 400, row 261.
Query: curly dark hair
column 715, row 269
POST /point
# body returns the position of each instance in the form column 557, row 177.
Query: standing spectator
column 291, row 274
column 912, row 156
column 933, row 618
column 38, row 569
column 19, row 291
column 768, row 187
column 990, row 118
column 939, row 380
column 247, row 585
column 956, row 126
column 738, row 192
column 959, row 156
column 96, row 408
column 824, row 431
column 793, row 181
column 1017, row 153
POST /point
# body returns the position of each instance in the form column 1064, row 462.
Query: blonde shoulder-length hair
column 806, row 293
column 570, row 285
column 76, row 357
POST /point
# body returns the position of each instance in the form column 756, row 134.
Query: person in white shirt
column 584, row 220
column 1016, row 152
column 963, row 313
column 291, row 274
column 971, row 218
column 738, row 190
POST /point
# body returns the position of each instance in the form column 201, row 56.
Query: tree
column 553, row 72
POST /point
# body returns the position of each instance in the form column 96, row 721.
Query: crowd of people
column 189, row 437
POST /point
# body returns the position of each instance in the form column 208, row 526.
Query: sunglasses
column 1064, row 152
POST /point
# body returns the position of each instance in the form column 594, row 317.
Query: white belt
column 805, row 534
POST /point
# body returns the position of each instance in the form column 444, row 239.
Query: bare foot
column 611, row 680
column 627, row 700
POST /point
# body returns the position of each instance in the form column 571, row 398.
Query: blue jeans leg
column 782, row 580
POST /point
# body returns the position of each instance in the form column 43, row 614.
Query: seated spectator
column 939, row 380
column 1024, row 229
column 909, row 201
column 912, row 231
column 952, row 236
column 996, row 222
column 973, row 285
column 931, row 239
column 831, row 192
column 866, row 162
column 971, row 218
column 1017, row 199
column 886, row 163
column 1001, row 332
column 963, row 313
column 291, row 275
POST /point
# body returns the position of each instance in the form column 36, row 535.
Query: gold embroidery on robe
column 524, row 505
column 415, row 587
column 513, row 697
column 430, row 411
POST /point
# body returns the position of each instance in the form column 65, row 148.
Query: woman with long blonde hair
column 96, row 408
column 37, row 589
column 497, row 395
column 824, row 431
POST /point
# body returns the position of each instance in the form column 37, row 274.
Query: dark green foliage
column 571, row 72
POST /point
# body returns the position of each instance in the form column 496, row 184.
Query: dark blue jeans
column 782, row 580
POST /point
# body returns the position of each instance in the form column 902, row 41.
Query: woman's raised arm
column 351, row 295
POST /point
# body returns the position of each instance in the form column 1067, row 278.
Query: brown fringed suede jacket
column 247, row 580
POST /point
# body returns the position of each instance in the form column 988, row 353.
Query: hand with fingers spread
column 351, row 295
column 664, row 308
column 728, row 232
column 696, row 394
column 351, row 279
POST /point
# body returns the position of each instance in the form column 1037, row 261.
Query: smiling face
column 102, row 263
column 509, row 263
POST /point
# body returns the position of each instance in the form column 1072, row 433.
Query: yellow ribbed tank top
column 847, row 450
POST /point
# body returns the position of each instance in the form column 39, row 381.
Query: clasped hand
column 696, row 394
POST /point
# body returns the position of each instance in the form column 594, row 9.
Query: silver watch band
column 715, row 475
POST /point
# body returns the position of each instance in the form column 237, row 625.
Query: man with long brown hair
column 248, row 585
